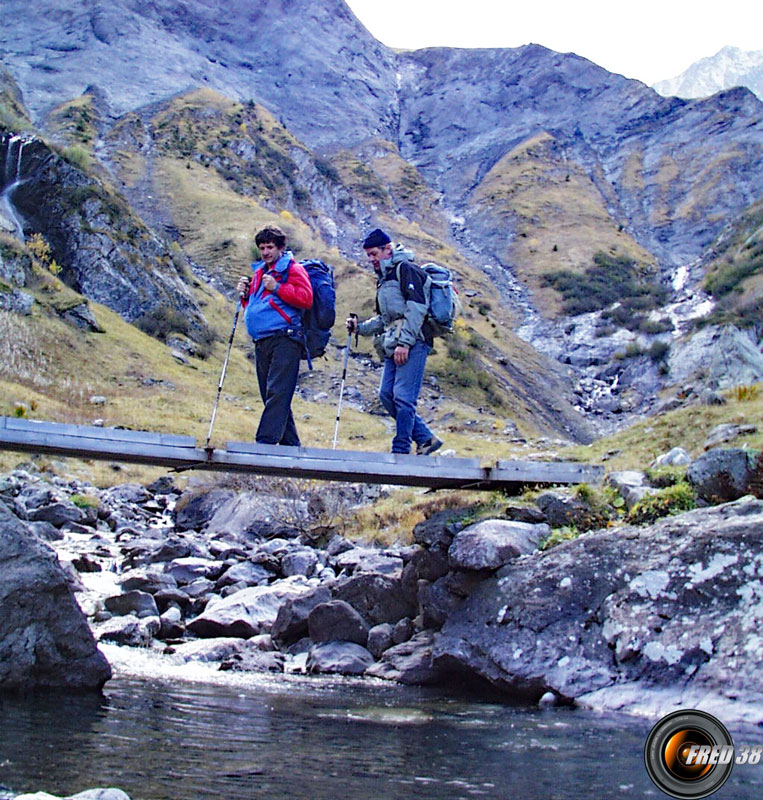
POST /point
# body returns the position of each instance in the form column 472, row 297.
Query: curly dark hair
column 272, row 234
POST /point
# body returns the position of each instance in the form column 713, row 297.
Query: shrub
column 85, row 501
column 558, row 536
column 742, row 393
column 612, row 279
column 658, row 350
column 661, row 477
column 78, row 156
column 671, row 500
column 163, row 321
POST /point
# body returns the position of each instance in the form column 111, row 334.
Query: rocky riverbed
column 641, row 618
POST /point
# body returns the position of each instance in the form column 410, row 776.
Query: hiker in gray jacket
column 403, row 338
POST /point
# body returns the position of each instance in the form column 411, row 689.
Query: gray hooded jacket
column 402, row 302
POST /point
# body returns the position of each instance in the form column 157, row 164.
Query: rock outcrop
column 674, row 608
column 45, row 641
column 105, row 252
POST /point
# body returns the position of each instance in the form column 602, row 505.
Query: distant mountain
column 728, row 68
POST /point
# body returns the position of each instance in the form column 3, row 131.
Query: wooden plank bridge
column 182, row 453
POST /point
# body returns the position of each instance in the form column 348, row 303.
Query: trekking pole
column 344, row 376
column 222, row 374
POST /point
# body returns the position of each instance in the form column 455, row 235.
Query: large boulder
column 195, row 509
column 720, row 475
column 377, row 598
column 44, row 637
column 489, row 544
column 676, row 607
column 291, row 622
column 337, row 621
column 409, row 662
column 343, row 658
column 248, row 612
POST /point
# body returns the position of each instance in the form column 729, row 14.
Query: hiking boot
column 427, row 448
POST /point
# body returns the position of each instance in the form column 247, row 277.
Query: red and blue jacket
column 278, row 312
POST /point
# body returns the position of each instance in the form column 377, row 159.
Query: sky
column 650, row 40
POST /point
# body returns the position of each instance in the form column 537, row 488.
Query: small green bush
column 662, row 477
column 77, row 156
column 85, row 501
column 558, row 536
column 671, row 500
column 658, row 350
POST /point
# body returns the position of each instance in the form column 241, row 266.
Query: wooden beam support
column 181, row 453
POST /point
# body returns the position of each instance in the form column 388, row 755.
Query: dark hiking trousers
column 277, row 372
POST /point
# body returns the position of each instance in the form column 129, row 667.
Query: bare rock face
column 607, row 618
column 45, row 641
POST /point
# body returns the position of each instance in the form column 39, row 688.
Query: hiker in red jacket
column 274, row 298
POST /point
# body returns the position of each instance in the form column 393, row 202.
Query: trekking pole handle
column 354, row 318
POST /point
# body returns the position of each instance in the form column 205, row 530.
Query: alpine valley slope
column 523, row 168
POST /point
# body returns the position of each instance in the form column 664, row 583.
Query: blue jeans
column 277, row 372
column 399, row 392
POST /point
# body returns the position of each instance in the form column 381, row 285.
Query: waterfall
column 11, row 180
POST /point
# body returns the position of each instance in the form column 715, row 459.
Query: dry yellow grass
column 557, row 212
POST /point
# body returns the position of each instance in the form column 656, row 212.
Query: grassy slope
column 56, row 368
column 557, row 212
column 735, row 275
column 200, row 174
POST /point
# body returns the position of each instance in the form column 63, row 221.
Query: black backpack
column 318, row 321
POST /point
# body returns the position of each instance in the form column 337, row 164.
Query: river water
column 174, row 735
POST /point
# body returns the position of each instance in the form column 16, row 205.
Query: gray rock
column 248, row 612
column 368, row 559
column 428, row 564
column 377, row 598
column 338, row 544
column 721, row 475
column 165, row 598
column 109, row 793
column 727, row 432
column 186, row 570
column 337, row 621
column 403, row 630
column 151, row 581
column 440, row 528
column 44, row 637
column 194, row 510
column 125, row 494
column 725, row 355
column 251, row 660
column 631, row 485
column 379, row 639
column 171, row 624
column 343, row 658
column 18, row 301
column 624, row 611
column 675, row 457
column 410, row 662
column 561, row 510
column 524, row 514
column 488, row 545
column 208, row 650
column 245, row 572
column 129, row 630
column 299, row 562
column 437, row 602
column 141, row 604
column 57, row 514
column 46, row 531
column 291, row 621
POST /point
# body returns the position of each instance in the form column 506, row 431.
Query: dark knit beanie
column 377, row 238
